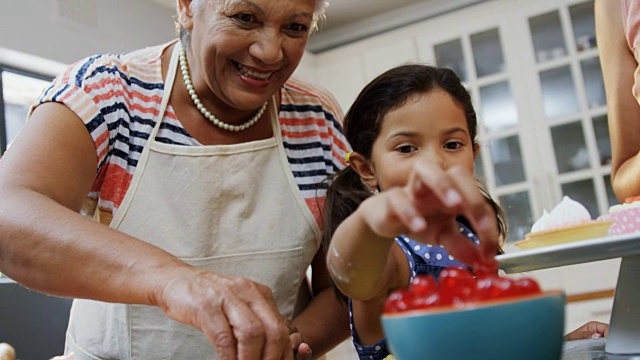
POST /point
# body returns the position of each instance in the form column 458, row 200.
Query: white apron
column 230, row 209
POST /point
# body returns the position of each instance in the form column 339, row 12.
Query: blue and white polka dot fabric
column 430, row 259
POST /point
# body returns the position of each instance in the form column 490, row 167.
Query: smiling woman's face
column 242, row 51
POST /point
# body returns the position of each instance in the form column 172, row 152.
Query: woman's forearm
column 52, row 249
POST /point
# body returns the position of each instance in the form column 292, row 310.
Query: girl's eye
column 406, row 149
column 453, row 145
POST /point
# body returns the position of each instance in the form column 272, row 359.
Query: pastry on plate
column 568, row 221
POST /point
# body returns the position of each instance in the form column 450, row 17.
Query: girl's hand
column 446, row 193
column 425, row 210
column 301, row 350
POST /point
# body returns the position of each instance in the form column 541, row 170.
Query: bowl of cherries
column 464, row 316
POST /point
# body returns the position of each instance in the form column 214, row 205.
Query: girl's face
column 242, row 51
column 429, row 127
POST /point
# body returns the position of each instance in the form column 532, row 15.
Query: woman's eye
column 406, row 149
column 298, row 27
column 244, row 18
column 297, row 30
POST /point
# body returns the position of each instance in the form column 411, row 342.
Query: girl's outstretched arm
column 424, row 209
column 361, row 259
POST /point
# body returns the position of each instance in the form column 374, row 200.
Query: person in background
column 409, row 186
column 618, row 37
column 175, row 191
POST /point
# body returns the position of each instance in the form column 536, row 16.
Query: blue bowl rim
column 443, row 309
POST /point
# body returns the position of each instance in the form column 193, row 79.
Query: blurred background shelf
column 33, row 323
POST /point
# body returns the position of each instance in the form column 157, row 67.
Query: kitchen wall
column 41, row 35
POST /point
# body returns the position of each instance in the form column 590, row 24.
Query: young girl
column 410, row 183
column 413, row 133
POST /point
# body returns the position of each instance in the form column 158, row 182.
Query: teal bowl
column 527, row 328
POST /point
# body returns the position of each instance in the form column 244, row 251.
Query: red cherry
column 526, row 286
column 399, row 300
column 456, row 285
column 423, row 285
column 425, row 301
column 494, row 287
column 485, row 268
column 454, row 274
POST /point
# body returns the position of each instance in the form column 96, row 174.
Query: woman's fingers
column 218, row 331
column 239, row 317
column 275, row 328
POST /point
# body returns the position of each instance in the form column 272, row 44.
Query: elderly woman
column 201, row 164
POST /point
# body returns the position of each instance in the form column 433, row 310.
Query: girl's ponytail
column 344, row 195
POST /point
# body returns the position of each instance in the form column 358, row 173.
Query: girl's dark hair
column 362, row 123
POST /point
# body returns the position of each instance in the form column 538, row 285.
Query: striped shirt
column 118, row 98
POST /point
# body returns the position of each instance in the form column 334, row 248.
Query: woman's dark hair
column 362, row 123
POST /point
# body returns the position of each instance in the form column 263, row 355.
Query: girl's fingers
column 460, row 247
column 431, row 187
column 478, row 211
column 455, row 192
column 404, row 209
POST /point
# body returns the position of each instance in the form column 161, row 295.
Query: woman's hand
column 239, row 317
column 590, row 330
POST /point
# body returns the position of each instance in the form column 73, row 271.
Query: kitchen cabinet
column 533, row 71
column 534, row 75
column 542, row 114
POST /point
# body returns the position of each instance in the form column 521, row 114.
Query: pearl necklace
column 206, row 113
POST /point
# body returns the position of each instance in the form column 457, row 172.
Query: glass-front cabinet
column 540, row 101
column 533, row 71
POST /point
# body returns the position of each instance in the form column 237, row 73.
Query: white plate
column 578, row 252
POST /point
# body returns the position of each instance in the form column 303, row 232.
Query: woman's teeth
column 252, row 74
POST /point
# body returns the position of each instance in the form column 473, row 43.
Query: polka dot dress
column 423, row 260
